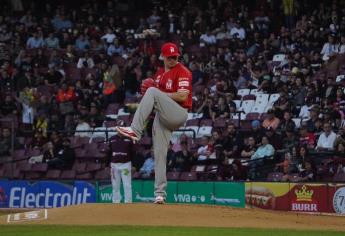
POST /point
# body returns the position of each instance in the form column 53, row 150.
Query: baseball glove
column 145, row 84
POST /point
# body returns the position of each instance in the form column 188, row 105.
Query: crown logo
column 304, row 194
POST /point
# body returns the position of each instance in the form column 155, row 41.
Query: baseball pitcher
column 170, row 95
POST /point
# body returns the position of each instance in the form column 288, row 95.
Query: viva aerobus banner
column 231, row 194
column 45, row 194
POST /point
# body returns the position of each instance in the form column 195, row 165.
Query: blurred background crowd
column 268, row 86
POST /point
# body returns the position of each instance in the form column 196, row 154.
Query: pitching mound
column 183, row 215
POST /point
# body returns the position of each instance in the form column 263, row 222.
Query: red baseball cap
column 169, row 50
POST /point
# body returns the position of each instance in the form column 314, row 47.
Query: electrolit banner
column 45, row 194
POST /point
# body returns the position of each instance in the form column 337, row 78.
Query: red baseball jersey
column 178, row 78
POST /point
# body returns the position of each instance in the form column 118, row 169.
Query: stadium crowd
column 268, row 87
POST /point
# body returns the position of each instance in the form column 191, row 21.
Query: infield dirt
column 185, row 215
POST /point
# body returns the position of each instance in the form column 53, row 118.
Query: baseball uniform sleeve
column 184, row 81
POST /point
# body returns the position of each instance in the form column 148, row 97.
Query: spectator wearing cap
column 271, row 121
column 256, row 130
column 326, row 139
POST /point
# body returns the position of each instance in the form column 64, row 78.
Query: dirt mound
column 184, row 215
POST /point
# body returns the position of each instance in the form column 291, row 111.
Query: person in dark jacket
column 64, row 158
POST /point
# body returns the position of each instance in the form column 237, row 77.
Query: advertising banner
column 272, row 196
column 195, row 193
column 336, row 198
column 229, row 194
column 46, row 194
column 308, row 197
column 4, row 186
column 105, row 192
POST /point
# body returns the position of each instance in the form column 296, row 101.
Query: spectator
column 329, row 49
column 51, row 41
column 148, row 167
column 286, row 123
column 8, row 107
column 256, row 131
column 64, row 158
column 249, row 148
column 326, row 139
column 221, row 110
column 182, row 160
column 233, row 141
column 208, row 38
column 205, row 150
column 264, row 150
column 109, row 36
column 238, row 31
column 314, row 116
column 83, row 128
column 306, row 138
column 115, row 49
column 35, row 41
column 307, row 175
column 5, row 142
column 271, row 121
column 287, row 167
column 85, row 61
column 82, row 43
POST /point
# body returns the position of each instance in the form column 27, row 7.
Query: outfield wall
column 298, row 197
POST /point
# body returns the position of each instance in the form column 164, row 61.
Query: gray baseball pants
column 169, row 117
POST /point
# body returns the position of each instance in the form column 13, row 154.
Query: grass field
column 38, row 230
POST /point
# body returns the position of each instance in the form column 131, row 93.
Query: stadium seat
column 238, row 103
column 243, row 92
column 173, row 175
column 194, row 128
column 39, row 167
column 219, row 123
column 247, row 106
column 53, row 174
column 103, row 174
column 262, row 98
column 188, row 176
column 273, row 98
column 206, row 122
column 297, row 122
column 79, row 167
column 193, row 122
column 249, row 97
column 275, row 176
column 252, row 116
column 68, row 174
column 205, row 131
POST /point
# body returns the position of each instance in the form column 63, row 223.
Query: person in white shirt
column 238, row 32
column 326, row 139
column 341, row 49
column 85, row 61
column 82, row 126
column 329, row 49
column 204, row 151
column 208, row 38
column 109, row 36
column 305, row 110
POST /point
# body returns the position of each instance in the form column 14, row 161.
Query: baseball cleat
column 127, row 132
column 159, row 200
